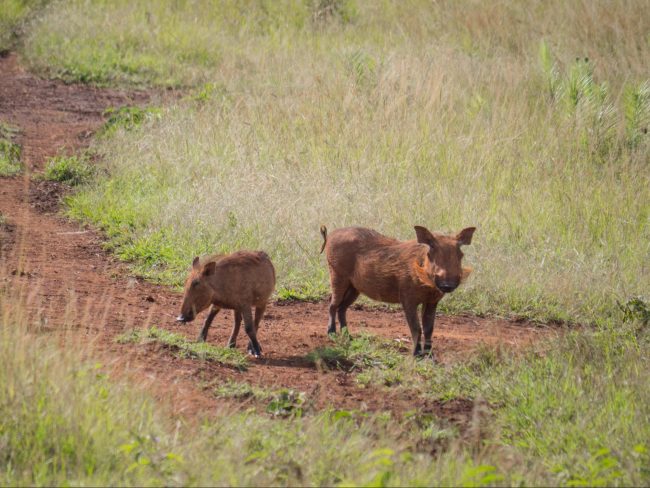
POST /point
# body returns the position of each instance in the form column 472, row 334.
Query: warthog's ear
column 424, row 236
column 209, row 268
column 195, row 263
column 464, row 237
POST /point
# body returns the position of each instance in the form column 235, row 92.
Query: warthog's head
column 198, row 292
column 442, row 265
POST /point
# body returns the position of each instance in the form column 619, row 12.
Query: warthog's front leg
column 428, row 320
column 214, row 310
column 411, row 312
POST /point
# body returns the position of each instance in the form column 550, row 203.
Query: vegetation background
column 526, row 119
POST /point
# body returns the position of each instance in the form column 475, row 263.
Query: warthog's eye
column 195, row 283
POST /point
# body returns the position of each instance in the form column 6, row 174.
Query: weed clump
column 286, row 403
column 636, row 309
column 241, row 391
column 9, row 152
column 358, row 352
column 71, row 170
column 127, row 118
column 186, row 348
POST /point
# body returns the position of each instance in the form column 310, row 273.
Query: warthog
column 408, row 272
column 237, row 281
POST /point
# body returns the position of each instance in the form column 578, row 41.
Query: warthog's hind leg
column 348, row 299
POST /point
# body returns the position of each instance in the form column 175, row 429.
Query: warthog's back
column 243, row 278
column 345, row 244
column 374, row 264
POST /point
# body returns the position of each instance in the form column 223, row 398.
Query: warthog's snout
column 184, row 318
column 447, row 286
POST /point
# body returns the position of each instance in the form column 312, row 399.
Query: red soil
column 70, row 284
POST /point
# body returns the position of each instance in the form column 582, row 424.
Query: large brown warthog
column 235, row 281
column 385, row 269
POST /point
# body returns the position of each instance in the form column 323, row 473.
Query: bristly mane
column 238, row 257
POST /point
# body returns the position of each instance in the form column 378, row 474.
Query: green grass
column 186, row 348
column 572, row 412
column 127, row 119
column 10, row 164
column 385, row 114
column 71, row 170
column 464, row 114
column 280, row 403
column 13, row 15
column 357, row 352
column 241, row 391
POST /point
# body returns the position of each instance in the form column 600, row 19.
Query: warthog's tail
column 323, row 232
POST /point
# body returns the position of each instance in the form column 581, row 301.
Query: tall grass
column 13, row 15
column 446, row 115
column 575, row 412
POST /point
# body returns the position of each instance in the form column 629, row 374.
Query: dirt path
column 70, row 284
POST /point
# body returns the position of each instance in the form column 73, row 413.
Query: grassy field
column 574, row 411
column 526, row 119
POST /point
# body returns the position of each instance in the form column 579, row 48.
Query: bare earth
column 73, row 287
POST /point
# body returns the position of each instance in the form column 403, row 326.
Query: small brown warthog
column 235, row 281
column 385, row 269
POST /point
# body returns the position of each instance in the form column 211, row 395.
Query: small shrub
column 211, row 91
column 636, row 107
column 287, row 403
column 9, row 152
column 362, row 351
column 129, row 118
column 636, row 308
column 71, row 170
column 549, row 68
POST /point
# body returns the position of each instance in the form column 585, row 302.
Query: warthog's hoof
column 424, row 354
column 254, row 351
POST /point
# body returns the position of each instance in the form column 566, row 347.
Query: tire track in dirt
column 71, row 286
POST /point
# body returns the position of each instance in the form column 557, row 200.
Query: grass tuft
column 127, row 119
column 10, row 164
column 186, row 348
column 357, row 352
column 241, row 391
column 280, row 403
column 71, row 170
column 14, row 14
